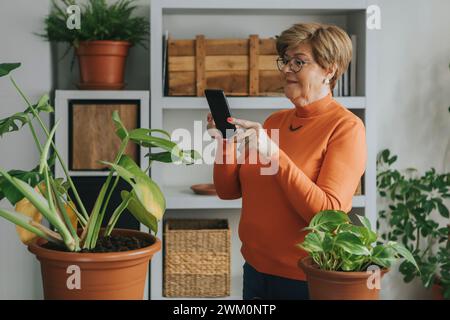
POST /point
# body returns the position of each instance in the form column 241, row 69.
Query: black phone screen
column 220, row 111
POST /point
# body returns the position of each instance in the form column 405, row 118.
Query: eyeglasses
column 295, row 67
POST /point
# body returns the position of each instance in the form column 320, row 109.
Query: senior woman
column 320, row 156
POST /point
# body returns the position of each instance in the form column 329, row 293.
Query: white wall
column 413, row 53
column 19, row 270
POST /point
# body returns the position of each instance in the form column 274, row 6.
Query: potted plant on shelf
column 101, row 43
column 343, row 262
column 413, row 203
column 106, row 263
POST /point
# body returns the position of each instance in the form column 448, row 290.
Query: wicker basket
column 197, row 258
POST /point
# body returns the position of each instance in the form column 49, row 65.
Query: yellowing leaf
column 26, row 207
column 72, row 216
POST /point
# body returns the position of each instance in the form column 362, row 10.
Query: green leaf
column 139, row 211
column 190, row 156
column 147, row 191
column 61, row 185
column 145, row 131
column 392, row 160
column 121, row 131
column 403, row 252
column 12, row 123
column 31, row 177
column 327, row 243
column 442, row 210
column 164, row 156
column 364, row 221
column 6, row 68
column 383, row 256
column 8, row 190
column 350, row 243
column 143, row 139
column 312, row 243
column 385, row 155
column 43, row 105
column 19, row 119
column 327, row 220
column 367, row 236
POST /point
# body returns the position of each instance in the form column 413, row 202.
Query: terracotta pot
column 103, row 276
column 102, row 64
column 337, row 285
column 436, row 290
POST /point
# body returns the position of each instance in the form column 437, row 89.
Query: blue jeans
column 258, row 285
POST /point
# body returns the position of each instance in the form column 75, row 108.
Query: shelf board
column 256, row 103
column 182, row 197
column 236, row 6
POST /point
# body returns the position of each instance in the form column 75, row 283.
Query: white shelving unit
column 238, row 19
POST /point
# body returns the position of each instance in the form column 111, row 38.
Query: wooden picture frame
column 83, row 142
column 92, row 135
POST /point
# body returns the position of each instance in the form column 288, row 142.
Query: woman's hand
column 255, row 136
column 211, row 127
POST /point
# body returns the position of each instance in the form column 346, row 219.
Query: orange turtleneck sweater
column 320, row 166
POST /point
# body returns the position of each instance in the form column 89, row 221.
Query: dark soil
column 114, row 243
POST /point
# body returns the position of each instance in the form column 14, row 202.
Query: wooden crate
column 240, row 67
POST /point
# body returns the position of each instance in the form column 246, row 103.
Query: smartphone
column 220, row 111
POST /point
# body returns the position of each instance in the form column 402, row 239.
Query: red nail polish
column 229, row 119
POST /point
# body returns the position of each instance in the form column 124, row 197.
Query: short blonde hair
column 330, row 45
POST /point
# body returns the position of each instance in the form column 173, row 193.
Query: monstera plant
column 38, row 194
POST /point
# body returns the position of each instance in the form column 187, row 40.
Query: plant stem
column 46, row 230
column 66, row 172
column 70, row 241
column 111, row 190
column 81, row 219
column 65, row 216
column 96, row 219
column 116, row 214
column 33, row 133
column 417, row 239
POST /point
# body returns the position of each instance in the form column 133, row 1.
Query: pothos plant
column 336, row 244
column 37, row 192
column 412, row 202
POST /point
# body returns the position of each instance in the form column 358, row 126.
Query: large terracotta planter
column 102, row 64
column 103, row 276
column 336, row 285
